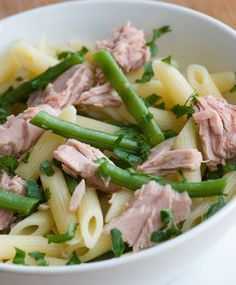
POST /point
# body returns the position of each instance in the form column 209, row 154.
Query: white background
column 217, row 266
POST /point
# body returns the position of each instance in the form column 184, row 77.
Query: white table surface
column 217, row 266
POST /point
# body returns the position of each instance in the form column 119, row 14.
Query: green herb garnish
column 169, row 229
column 118, row 246
column 19, row 256
column 167, row 60
column 215, row 208
column 9, row 163
column 74, row 259
column 148, row 73
column 151, row 99
column 67, row 54
column 39, row 257
column 47, row 194
column 59, row 238
column 26, row 158
column 46, row 167
column 233, row 89
column 33, row 190
column 157, row 33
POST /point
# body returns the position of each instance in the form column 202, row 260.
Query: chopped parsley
column 169, row 134
column 9, row 163
column 233, row 89
column 151, row 99
column 118, row 245
column 39, row 257
column 74, row 259
column 169, row 229
column 59, row 238
column 4, row 113
column 33, row 190
column 47, row 194
column 19, row 256
column 181, row 110
column 167, row 60
column 26, row 157
column 67, row 54
column 148, row 73
column 214, row 208
column 46, row 167
column 161, row 106
column 156, row 34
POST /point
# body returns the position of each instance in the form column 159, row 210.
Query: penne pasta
column 27, row 243
column 224, row 80
column 173, row 81
column 9, row 67
column 32, row 58
column 90, row 217
column 43, row 149
column 117, row 203
column 201, row 81
column 39, row 223
column 59, row 203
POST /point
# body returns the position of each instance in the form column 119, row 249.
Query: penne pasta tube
column 102, row 246
column 27, row 243
column 117, row 203
column 90, row 217
column 32, row 58
column 201, row 81
column 9, row 67
column 43, row 149
column 224, row 80
column 59, row 203
column 40, row 223
column 173, row 81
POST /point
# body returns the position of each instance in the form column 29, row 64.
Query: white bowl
column 195, row 38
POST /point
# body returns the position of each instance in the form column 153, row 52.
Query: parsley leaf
column 167, row 60
column 169, row 134
column 215, row 208
column 59, row 238
column 39, row 257
column 157, row 33
column 19, row 256
column 33, row 190
column 66, row 54
column 47, row 194
column 161, row 106
column 71, row 182
column 148, row 73
column 46, row 167
column 4, row 113
column 151, row 99
column 118, row 246
column 181, row 110
column 169, row 229
column 9, row 163
column 74, row 259
column 233, row 89
column 26, row 158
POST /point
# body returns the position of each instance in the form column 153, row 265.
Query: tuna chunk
column 77, row 196
column 17, row 135
column 66, row 89
column 217, row 129
column 79, row 160
column 100, row 96
column 163, row 160
column 142, row 215
column 15, row 185
column 128, row 47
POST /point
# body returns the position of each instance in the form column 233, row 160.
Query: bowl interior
column 194, row 38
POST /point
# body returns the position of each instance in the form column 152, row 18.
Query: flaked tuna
column 15, row 185
column 163, row 160
column 66, row 89
column 79, row 160
column 217, row 129
column 142, row 215
column 77, row 196
column 128, row 47
column 100, row 96
column 17, row 135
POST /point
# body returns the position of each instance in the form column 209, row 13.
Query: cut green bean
column 97, row 139
column 17, row 203
column 133, row 180
column 132, row 101
column 22, row 92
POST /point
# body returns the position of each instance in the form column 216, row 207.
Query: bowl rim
column 177, row 241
